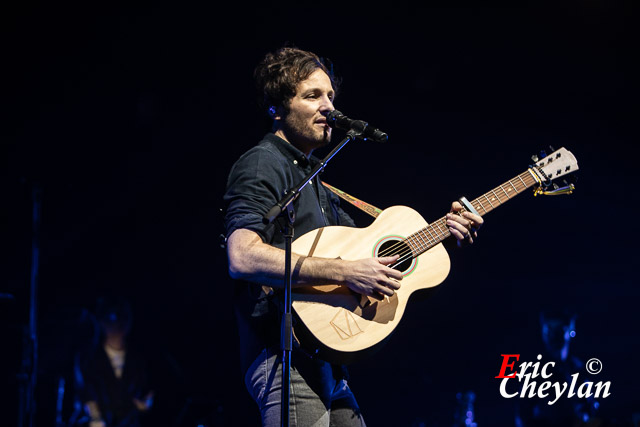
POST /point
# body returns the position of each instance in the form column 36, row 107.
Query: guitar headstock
column 557, row 164
column 550, row 167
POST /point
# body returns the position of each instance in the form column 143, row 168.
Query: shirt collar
column 288, row 150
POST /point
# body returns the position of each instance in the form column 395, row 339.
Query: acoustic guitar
column 340, row 325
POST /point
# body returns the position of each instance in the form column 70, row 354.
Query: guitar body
column 341, row 325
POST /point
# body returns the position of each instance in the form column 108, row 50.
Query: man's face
column 305, row 125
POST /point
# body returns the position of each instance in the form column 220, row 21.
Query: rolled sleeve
column 256, row 183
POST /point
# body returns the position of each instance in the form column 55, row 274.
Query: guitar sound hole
column 397, row 247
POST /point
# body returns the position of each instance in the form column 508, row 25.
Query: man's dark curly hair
column 278, row 74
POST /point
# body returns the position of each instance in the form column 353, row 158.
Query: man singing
column 298, row 92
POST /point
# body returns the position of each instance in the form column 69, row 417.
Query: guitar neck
column 426, row 238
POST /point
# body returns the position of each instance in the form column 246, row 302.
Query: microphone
column 337, row 120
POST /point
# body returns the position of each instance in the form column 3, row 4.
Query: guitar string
column 406, row 253
column 416, row 240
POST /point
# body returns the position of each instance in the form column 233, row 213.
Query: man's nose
column 327, row 106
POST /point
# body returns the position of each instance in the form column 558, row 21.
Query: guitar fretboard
column 426, row 238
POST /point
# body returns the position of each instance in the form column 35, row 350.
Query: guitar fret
column 440, row 229
column 485, row 196
column 446, row 232
column 480, row 206
column 409, row 243
column 414, row 245
column 514, row 187
column 424, row 245
column 434, row 240
column 505, row 192
column 496, row 197
column 523, row 183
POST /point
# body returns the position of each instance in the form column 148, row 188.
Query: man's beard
column 301, row 133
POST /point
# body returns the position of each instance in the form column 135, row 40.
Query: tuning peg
column 555, row 186
column 551, row 149
column 543, row 154
column 534, row 158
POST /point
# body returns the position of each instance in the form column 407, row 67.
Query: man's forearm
column 253, row 260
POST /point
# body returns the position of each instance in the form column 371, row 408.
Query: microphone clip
column 357, row 128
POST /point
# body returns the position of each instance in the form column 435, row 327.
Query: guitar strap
column 364, row 206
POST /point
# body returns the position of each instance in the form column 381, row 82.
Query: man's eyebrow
column 318, row 89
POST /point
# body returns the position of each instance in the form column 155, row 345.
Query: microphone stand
column 283, row 210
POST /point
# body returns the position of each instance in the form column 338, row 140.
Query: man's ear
column 276, row 113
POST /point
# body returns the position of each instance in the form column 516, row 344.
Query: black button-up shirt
column 257, row 181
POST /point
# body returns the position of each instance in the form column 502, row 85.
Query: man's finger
column 393, row 283
column 384, row 290
column 386, row 260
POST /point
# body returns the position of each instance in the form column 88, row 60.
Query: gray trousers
column 319, row 395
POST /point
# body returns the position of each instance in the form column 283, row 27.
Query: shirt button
column 295, row 162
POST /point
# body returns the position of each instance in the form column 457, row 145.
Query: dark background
column 128, row 118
